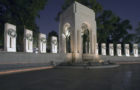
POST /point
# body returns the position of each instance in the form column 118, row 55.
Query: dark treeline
column 23, row 14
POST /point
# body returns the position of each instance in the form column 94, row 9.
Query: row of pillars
column 10, row 40
column 118, row 49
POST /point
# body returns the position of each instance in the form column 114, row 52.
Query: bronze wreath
column 43, row 40
column 29, row 37
column 54, row 42
column 12, row 33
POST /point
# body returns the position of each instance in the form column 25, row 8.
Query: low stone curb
column 25, row 70
column 87, row 67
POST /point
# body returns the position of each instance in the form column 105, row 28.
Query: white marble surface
column 9, row 41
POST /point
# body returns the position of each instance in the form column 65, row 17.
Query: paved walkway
column 7, row 67
column 126, row 77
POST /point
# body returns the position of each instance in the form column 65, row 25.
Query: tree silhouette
column 21, row 13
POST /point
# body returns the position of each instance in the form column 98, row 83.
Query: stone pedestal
column 127, row 52
column 10, row 38
column 103, row 46
column 42, row 43
column 28, row 41
column 119, row 50
column 111, row 50
column 135, row 50
column 54, row 44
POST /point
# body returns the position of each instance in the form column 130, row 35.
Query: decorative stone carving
column 43, row 40
column 29, row 37
column 103, row 46
column 10, row 38
column 119, row 50
column 54, row 44
column 127, row 52
column 66, row 31
column 28, row 41
column 135, row 50
column 42, row 43
column 12, row 33
column 111, row 50
column 84, row 27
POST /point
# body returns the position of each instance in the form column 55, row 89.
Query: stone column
column 63, row 44
column 75, row 41
column 54, row 44
column 90, row 41
column 111, row 49
column 97, row 49
column 135, row 50
column 60, row 36
column 10, row 38
column 86, row 47
column 119, row 50
column 81, row 44
column 28, row 41
column 93, row 37
column 42, row 43
column 80, row 47
column 127, row 52
column 103, row 49
column 89, row 48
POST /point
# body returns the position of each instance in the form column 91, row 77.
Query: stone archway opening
column 67, row 36
column 85, row 39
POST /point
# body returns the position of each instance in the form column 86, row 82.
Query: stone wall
column 33, row 58
column 120, row 58
column 29, row 58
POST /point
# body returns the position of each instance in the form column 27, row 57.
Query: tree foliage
column 137, row 34
column 111, row 28
column 21, row 13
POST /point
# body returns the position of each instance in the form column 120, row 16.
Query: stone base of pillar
column 76, row 57
column 90, row 57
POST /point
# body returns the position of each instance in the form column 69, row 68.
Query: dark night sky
column 126, row 9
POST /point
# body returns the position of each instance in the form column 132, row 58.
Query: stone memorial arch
column 77, row 31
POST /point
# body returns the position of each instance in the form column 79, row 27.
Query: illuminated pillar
column 111, row 50
column 135, row 50
column 28, row 41
column 10, row 38
column 127, row 52
column 62, row 47
column 119, row 51
column 54, row 44
column 103, row 49
column 97, row 49
column 42, row 43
